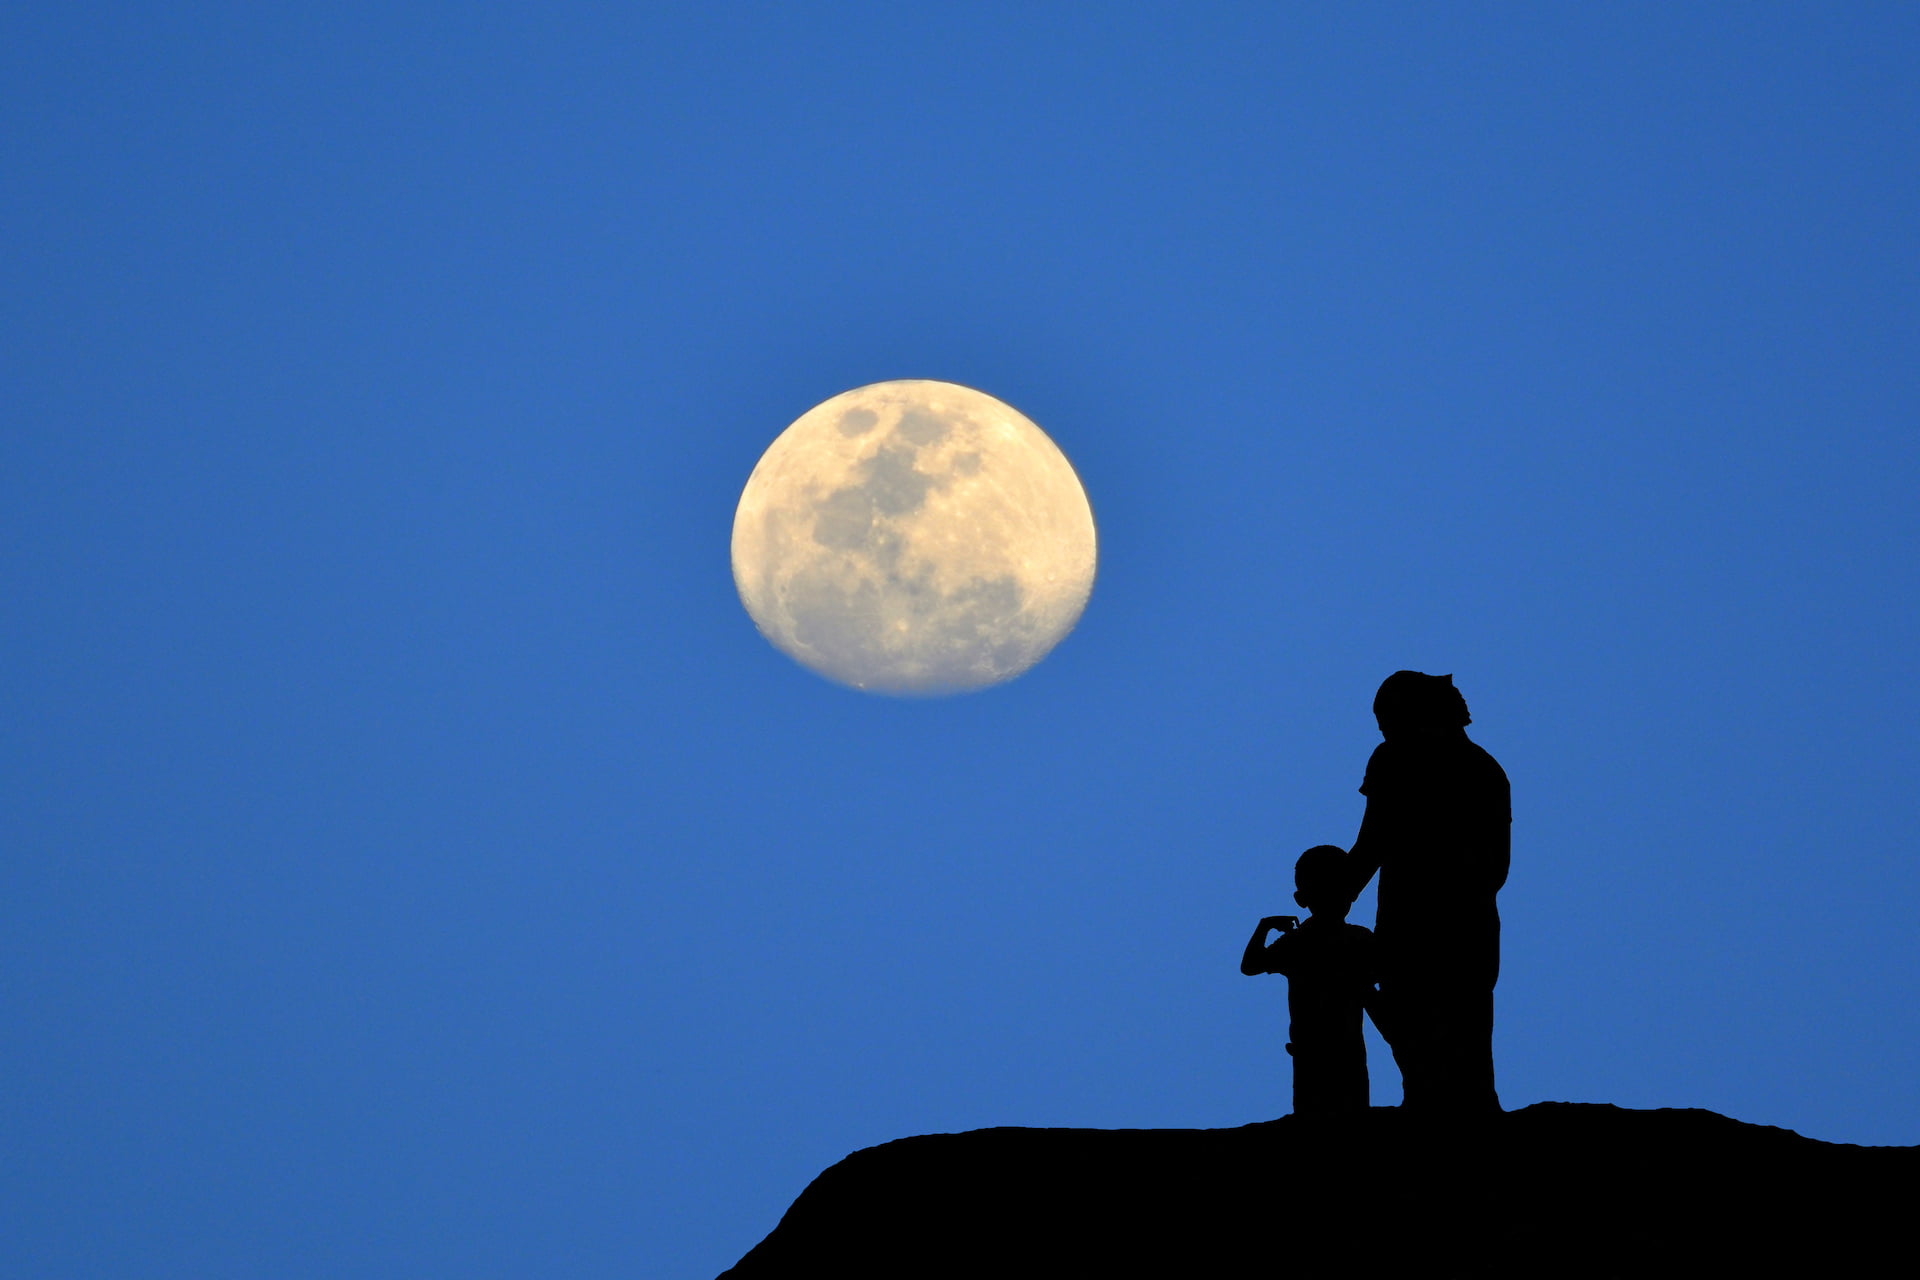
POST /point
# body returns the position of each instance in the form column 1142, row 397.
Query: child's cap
column 1320, row 868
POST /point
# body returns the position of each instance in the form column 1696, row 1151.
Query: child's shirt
column 1330, row 970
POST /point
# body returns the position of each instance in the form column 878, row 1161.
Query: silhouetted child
column 1329, row 966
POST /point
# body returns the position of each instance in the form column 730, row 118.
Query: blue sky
column 416, row 864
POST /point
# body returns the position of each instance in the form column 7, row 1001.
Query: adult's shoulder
column 1492, row 780
column 1382, row 765
column 1484, row 761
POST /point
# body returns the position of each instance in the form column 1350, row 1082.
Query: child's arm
column 1259, row 957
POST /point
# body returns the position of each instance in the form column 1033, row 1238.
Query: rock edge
column 1563, row 1189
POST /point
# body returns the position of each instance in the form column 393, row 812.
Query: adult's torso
column 1443, row 811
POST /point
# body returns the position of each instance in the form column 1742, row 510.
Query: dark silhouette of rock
column 1555, row 1189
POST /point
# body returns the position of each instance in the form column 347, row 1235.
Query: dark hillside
column 1556, row 1189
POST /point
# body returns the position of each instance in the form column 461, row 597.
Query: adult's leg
column 1462, row 1067
column 1441, row 1034
column 1403, row 1014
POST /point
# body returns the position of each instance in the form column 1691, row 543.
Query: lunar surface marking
column 914, row 537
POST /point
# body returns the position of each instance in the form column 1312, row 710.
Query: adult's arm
column 1499, row 830
column 1368, row 849
column 1502, row 860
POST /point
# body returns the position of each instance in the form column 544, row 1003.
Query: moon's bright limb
column 914, row 537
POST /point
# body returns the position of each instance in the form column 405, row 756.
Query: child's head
column 1320, row 880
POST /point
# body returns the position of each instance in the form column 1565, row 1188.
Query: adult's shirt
column 1441, row 812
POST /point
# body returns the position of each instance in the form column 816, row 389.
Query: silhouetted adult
column 1438, row 830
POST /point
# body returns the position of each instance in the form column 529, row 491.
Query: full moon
column 914, row 537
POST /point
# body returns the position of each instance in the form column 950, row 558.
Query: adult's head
column 1414, row 702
